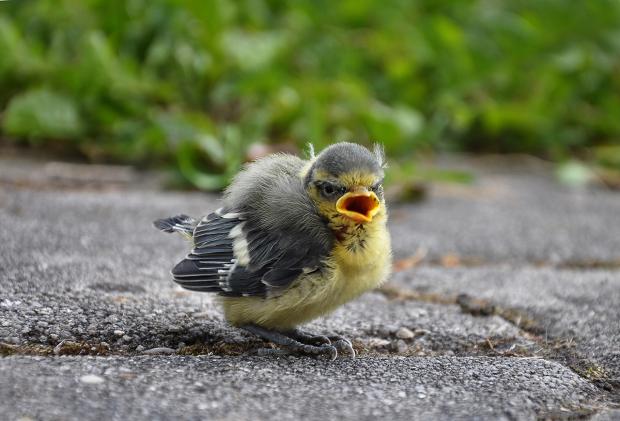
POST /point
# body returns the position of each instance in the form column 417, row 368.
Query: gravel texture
column 512, row 214
column 290, row 388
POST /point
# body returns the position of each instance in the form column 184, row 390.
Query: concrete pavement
column 504, row 304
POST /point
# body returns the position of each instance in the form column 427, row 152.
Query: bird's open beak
column 360, row 206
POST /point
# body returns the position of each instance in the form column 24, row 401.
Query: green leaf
column 191, row 169
column 42, row 113
column 18, row 56
column 252, row 51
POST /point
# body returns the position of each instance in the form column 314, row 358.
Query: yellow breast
column 349, row 271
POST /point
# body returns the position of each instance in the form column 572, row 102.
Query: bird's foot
column 292, row 345
column 308, row 338
column 342, row 344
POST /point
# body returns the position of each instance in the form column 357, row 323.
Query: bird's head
column 345, row 183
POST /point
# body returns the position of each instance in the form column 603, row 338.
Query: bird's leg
column 292, row 345
column 342, row 344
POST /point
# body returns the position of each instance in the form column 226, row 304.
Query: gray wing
column 234, row 256
column 268, row 233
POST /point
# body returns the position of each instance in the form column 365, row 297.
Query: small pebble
column 119, row 332
column 159, row 351
column 91, row 379
column 378, row 342
column 404, row 333
column 139, row 348
column 399, row 346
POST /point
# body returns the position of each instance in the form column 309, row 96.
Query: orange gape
column 360, row 205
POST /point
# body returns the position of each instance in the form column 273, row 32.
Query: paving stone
column 510, row 215
column 581, row 308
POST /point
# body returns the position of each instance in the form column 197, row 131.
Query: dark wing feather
column 180, row 223
column 276, row 258
column 206, row 267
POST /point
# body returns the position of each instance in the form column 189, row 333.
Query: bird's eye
column 378, row 189
column 330, row 190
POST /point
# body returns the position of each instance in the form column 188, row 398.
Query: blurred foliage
column 193, row 84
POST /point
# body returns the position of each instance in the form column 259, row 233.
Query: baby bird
column 293, row 240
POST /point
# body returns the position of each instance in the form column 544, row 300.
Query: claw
column 343, row 345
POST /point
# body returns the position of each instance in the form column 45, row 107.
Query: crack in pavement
column 561, row 350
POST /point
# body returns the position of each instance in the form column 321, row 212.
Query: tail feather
column 182, row 224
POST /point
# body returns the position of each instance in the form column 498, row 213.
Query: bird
column 293, row 240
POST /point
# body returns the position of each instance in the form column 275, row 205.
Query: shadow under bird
column 294, row 240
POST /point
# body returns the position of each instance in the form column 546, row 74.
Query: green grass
column 192, row 84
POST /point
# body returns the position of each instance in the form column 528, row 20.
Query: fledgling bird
column 293, row 240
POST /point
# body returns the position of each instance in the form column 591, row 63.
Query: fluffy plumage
column 282, row 251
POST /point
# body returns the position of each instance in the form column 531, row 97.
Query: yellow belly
column 347, row 275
